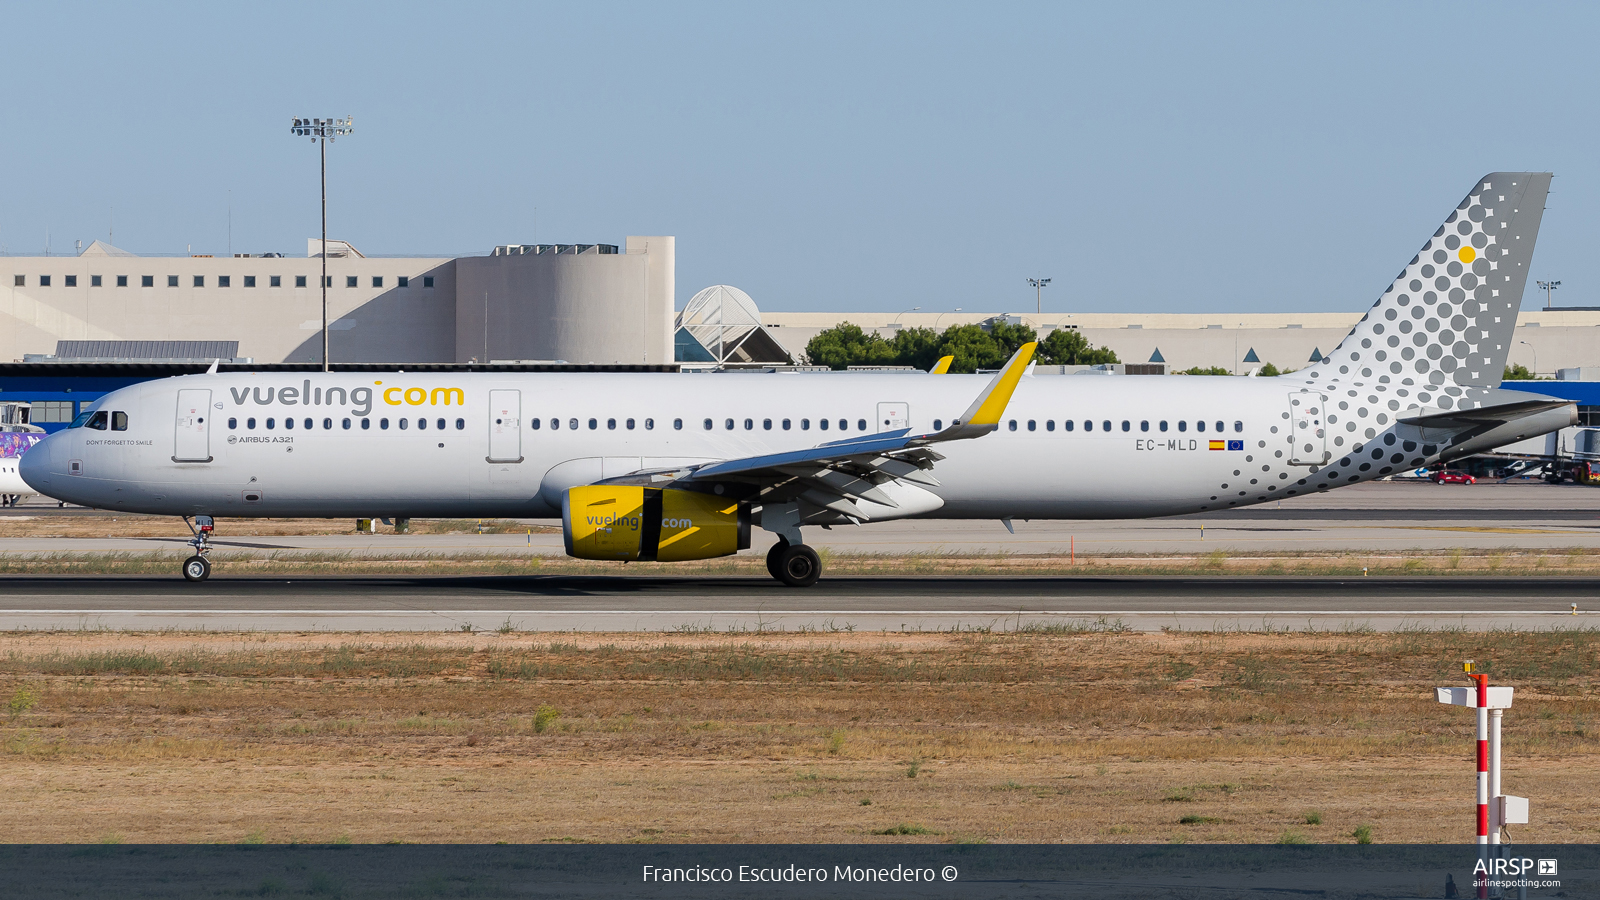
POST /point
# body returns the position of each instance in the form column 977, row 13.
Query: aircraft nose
column 40, row 466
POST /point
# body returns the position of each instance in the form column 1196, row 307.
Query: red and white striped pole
column 1483, row 775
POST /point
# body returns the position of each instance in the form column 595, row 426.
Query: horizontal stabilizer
column 1487, row 415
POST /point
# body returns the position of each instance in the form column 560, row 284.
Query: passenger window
column 1163, row 424
column 1126, row 425
column 404, row 424
column 938, row 424
column 1182, row 425
column 649, row 424
column 611, row 424
column 844, row 424
column 232, row 424
column 1066, row 424
column 573, row 424
column 461, row 424
column 823, row 424
column 309, row 424
column 1088, row 424
column 439, row 424
column 1238, row 426
column 805, row 424
column 728, row 424
column 536, row 423
column 1145, row 425
column 861, row 424
column 630, row 424
column 594, row 424
column 98, row 421
column 119, row 421
column 1049, row 424
column 708, row 425
column 1032, row 425
column 1106, row 425
column 383, row 424
column 345, row 423
column 785, row 424
column 677, row 424
column 555, row 424
column 366, row 424
column 271, row 422
column 1200, row 425
column 287, row 423
column 250, row 423
column 327, row 424
column 1012, row 424
column 1219, row 427
column 749, row 424
column 422, row 424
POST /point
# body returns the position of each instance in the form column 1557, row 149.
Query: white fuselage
column 1136, row 446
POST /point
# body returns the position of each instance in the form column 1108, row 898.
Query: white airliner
column 12, row 445
column 680, row 466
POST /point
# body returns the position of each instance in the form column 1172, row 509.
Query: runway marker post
column 1495, row 810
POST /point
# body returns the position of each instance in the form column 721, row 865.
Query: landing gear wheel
column 799, row 566
column 772, row 557
column 196, row 569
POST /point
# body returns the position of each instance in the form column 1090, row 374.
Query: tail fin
column 1449, row 316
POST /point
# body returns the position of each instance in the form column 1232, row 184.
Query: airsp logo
column 1547, row 867
column 233, row 439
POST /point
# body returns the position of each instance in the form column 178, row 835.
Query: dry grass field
column 1041, row 736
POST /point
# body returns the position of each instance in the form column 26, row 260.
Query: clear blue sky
column 858, row 156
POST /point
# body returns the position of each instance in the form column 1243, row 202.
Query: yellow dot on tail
column 1468, row 254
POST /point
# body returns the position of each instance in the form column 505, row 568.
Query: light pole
column 1535, row 355
column 903, row 312
column 1038, row 291
column 322, row 131
column 943, row 314
column 1547, row 287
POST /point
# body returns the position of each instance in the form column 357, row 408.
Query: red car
column 1452, row 478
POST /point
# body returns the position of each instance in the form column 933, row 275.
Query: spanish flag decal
column 1219, row 445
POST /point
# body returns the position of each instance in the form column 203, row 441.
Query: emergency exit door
column 193, row 441
column 505, row 426
column 1308, row 429
column 893, row 416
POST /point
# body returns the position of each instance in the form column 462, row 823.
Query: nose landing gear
column 197, row 568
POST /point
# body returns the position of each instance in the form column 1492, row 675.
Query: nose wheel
column 197, row 568
column 796, row 565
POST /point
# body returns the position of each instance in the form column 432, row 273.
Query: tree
column 1518, row 372
column 1269, row 370
column 973, row 348
column 1197, row 370
column 847, row 345
column 917, row 347
column 1066, row 347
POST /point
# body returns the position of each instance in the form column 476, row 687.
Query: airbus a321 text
column 666, row 466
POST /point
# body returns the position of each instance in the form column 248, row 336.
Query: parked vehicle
column 1452, row 478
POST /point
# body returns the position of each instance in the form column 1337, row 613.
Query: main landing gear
column 197, row 568
column 796, row 565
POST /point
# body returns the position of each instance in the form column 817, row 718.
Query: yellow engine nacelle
column 603, row 521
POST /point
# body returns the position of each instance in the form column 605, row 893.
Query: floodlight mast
column 1547, row 287
column 323, row 131
column 1038, row 290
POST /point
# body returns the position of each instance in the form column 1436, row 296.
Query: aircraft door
column 193, row 443
column 1308, row 429
column 505, row 426
column 893, row 416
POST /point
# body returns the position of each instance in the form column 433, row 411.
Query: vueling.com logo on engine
column 611, row 520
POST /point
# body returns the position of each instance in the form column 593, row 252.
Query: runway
column 588, row 603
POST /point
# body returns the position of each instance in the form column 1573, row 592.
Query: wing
column 839, row 475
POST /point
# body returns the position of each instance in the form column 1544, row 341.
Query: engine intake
column 602, row 521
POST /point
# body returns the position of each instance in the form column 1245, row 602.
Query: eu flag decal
column 1236, row 445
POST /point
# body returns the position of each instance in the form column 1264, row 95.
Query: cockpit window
column 119, row 421
column 97, row 421
column 81, row 420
